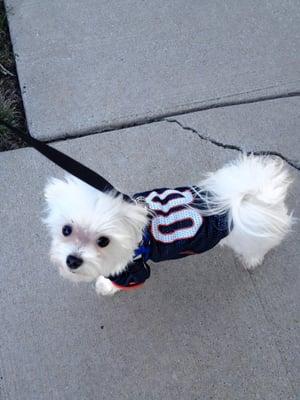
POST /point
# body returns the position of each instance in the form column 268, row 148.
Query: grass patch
column 11, row 106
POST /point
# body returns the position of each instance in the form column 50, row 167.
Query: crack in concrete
column 293, row 163
column 168, row 117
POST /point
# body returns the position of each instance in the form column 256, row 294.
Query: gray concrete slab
column 224, row 335
column 272, row 125
column 106, row 63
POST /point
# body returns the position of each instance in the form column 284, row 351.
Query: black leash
column 67, row 163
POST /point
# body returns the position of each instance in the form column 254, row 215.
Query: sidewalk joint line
column 162, row 117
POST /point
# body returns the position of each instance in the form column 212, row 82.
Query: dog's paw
column 105, row 287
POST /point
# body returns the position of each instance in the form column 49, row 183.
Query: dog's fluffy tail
column 252, row 190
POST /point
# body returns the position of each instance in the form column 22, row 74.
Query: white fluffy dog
column 100, row 236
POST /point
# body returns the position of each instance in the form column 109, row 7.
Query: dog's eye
column 102, row 241
column 67, row 230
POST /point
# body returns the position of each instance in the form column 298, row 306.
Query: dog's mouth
column 85, row 273
column 75, row 275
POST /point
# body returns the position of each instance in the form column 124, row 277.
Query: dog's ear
column 135, row 216
column 53, row 189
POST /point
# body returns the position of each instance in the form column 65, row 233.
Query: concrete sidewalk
column 101, row 64
column 228, row 334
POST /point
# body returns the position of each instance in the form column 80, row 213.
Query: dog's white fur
column 252, row 189
column 92, row 214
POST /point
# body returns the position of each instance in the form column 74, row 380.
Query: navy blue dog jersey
column 176, row 229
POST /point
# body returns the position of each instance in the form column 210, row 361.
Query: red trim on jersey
column 188, row 253
column 128, row 288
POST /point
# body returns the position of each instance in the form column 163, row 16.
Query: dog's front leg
column 105, row 287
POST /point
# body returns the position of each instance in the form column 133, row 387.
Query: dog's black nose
column 74, row 262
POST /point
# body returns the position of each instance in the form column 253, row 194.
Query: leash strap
column 67, row 163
